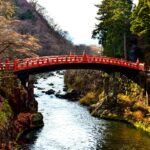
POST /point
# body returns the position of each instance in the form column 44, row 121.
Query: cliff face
column 18, row 110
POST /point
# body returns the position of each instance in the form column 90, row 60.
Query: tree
column 141, row 28
column 141, row 19
column 10, row 39
column 7, row 9
column 113, row 28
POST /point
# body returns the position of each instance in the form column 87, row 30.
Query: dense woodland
column 124, row 29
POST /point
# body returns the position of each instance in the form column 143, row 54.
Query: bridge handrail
column 22, row 64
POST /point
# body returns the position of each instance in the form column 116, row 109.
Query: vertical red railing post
column 38, row 63
column 1, row 66
column 84, row 58
column 93, row 58
column 7, row 63
column 75, row 60
column 47, row 61
column 27, row 64
column 15, row 63
column 57, row 60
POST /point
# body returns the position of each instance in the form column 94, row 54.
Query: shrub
column 137, row 115
column 89, row 98
column 123, row 97
column 5, row 113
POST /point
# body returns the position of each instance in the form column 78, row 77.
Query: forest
column 123, row 29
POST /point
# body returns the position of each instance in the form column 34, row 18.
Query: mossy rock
column 37, row 120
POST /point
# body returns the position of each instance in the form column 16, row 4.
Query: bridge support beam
column 24, row 80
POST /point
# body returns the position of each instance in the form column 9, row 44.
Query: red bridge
column 46, row 63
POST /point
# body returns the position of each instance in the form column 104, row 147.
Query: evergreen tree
column 113, row 28
column 141, row 22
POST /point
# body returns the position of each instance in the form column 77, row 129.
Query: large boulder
column 36, row 120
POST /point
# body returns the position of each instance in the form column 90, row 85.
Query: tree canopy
column 141, row 19
column 113, row 23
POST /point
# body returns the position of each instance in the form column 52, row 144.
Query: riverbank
column 18, row 110
column 69, row 125
column 111, row 96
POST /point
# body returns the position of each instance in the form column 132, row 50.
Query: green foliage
column 89, row 98
column 5, row 113
column 113, row 21
column 141, row 19
column 27, row 15
column 141, row 24
column 123, row 97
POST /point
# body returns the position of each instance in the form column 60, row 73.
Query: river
column 69, row 126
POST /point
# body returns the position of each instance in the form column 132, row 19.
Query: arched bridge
column 46, row 63
column 24, row 67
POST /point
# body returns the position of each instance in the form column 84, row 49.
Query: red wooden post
column 75, row 59
column 47, row 61
column 7, row 62
column 27, row 64
column 84, row 58
column 15, row 65
column 1, row 66
column 56, row 60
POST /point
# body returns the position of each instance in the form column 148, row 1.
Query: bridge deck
column 38, row 62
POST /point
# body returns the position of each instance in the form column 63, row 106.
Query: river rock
column 72, row 96
column 35, row 95
column 51, row 74
column 36, row 120
column 39, row 88
column 49, row 92
column 51, row 84
column 65, row 88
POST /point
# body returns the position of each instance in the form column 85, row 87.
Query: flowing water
column 69, row 126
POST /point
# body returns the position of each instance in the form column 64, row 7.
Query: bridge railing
column 23, row 64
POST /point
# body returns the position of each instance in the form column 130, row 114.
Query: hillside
column 34, row 23
column 28, row 20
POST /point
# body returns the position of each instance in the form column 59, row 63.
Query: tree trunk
column 125, row 45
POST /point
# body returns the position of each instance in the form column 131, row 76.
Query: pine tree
column 113, row 28
column 141, row 22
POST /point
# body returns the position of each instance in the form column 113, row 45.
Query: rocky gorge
column 111, row 96
column 18, row 110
